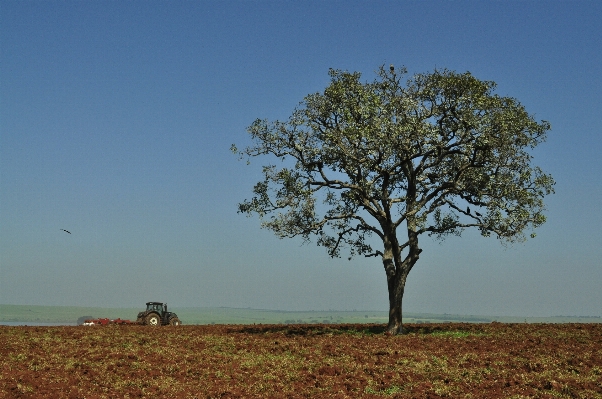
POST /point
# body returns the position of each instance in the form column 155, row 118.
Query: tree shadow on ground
column 362, row 329
column 312, row 329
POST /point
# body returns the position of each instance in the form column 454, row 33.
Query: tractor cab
column 158, row 307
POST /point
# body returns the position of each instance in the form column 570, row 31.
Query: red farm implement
column 104, row 322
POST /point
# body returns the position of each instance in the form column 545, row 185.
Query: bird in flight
column 66, row 231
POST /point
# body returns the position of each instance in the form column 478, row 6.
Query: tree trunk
column 397, row 271
column 396, row 284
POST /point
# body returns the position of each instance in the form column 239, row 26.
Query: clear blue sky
column 116, row 120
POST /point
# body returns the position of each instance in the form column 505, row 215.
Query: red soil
column 278, row 361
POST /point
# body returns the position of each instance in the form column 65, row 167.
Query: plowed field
column 300, row 361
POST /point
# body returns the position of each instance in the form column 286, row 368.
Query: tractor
column 156, row 314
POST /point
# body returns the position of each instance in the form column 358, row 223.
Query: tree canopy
column 401, row 156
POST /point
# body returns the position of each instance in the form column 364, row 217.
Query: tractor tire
column 174, row 321
column 153, row 319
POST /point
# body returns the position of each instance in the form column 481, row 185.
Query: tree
column 397, row 158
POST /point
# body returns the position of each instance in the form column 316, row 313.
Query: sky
column 116, row 120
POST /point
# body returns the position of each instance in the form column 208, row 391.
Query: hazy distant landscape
column 27, row 314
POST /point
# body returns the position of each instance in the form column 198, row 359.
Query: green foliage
column 420, row 150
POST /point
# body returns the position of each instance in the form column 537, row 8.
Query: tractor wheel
column 174, row 321
column 153, row 320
